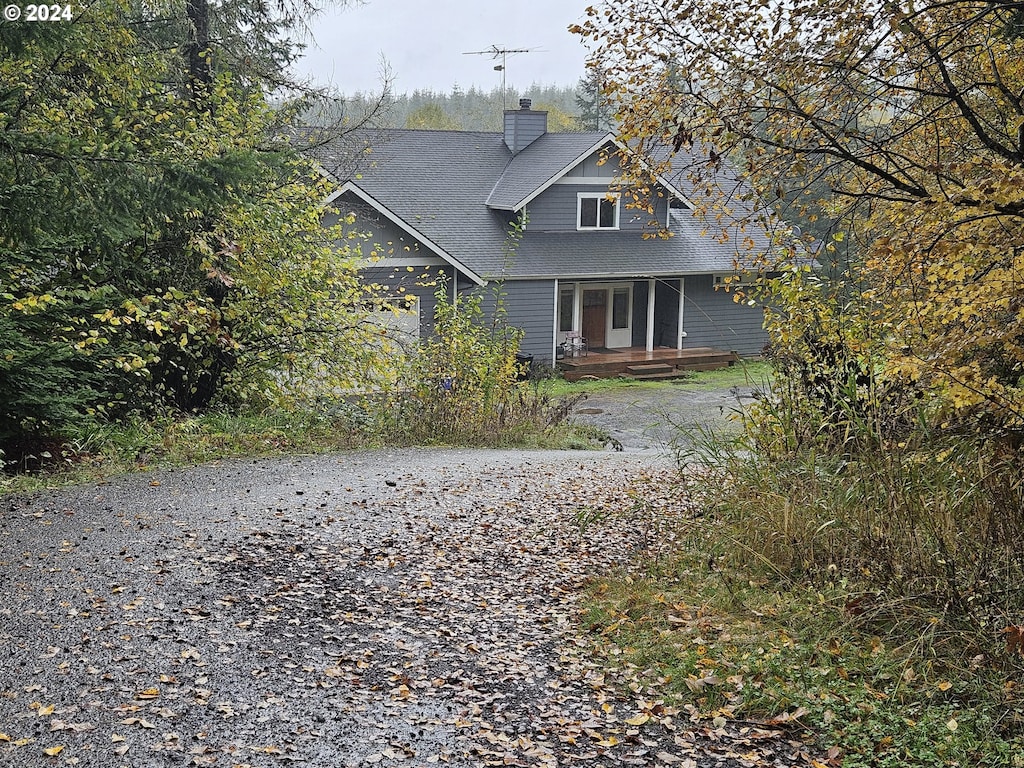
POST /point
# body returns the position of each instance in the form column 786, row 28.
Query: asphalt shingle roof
column 626, row 253
column 458, row 188
column 547, row 157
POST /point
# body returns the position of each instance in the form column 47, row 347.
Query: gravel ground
column 649, row 419
column 411, row 607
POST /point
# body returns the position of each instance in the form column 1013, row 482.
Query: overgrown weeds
column 188, row 439
column 180, row 440
column 855, row 577
column 464, row 384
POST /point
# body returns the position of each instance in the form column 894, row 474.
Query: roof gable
column 436, row 183
column 549, row 159
column 354, row 189
column 540, row 165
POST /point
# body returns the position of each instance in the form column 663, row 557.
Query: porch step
column 649, row 368
column 673, row 374
column 639, row 363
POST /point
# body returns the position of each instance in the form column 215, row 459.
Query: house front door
column 595, row 316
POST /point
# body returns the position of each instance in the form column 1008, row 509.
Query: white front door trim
column 615, row 338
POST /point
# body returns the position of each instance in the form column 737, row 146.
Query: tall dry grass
column 864, row 489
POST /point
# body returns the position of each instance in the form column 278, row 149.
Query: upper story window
column 597, row 210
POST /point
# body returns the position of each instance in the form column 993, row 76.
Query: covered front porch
column 650, row 327
column 620, row 314
column 641, row 363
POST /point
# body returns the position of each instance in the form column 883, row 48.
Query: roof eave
column 608, row 138
column 609, row 275
column 319, row 168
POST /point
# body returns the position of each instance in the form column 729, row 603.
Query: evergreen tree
column 155, row 222
column 472, row 110
column 433, row 117
column 594, row 112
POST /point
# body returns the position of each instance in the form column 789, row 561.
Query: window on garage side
column 566, row 297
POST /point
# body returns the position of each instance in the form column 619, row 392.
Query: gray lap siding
column 710, row 318
column 528, row 305
column 398, row 281
column 556, row 211
column 531, row 306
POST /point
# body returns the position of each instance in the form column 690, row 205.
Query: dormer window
column 597, row 210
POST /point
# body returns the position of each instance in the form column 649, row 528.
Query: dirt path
column 388, row 608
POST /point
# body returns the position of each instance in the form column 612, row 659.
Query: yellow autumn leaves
column 894, row 134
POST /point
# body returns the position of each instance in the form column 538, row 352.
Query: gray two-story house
column 587, row 266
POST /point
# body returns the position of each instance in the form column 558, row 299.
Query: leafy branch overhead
column 899, row 125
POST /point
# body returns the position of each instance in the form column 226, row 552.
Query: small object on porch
column 575, row 344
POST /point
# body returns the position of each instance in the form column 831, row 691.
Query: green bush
column 47, row 390
column 463, row 384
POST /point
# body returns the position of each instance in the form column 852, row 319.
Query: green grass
column 741, row 374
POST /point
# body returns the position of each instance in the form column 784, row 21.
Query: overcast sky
column 425, row 41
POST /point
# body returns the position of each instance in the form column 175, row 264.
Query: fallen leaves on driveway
column 381, row 609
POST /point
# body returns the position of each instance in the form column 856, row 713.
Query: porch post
column 554, row 328
column 680, row 333
column 650, row 315
column 577, row 307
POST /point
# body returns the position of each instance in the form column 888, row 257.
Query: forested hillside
column 570, row 108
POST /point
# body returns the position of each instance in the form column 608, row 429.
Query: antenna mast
column 494, row 52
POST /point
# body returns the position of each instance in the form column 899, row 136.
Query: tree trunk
column 200, row 70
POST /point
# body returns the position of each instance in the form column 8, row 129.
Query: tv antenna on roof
column 494, row 52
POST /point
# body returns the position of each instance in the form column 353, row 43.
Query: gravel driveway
column 413, row 607
column 649, row 419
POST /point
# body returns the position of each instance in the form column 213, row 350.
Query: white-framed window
column 597, row 210
column 622, row 307
column 566, row 308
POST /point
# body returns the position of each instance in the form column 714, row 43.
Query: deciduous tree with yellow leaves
column 901, row 125
column 160, row 235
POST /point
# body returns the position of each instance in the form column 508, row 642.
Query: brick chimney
column 523, row 126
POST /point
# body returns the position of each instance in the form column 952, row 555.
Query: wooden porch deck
column 638, row 363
